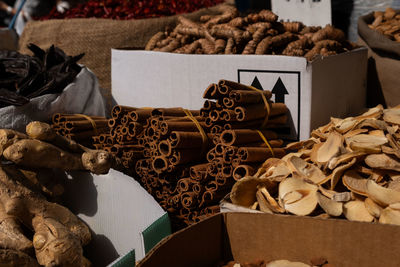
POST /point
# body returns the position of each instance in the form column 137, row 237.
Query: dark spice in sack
column 24, row 77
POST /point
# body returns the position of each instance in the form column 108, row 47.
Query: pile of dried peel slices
column 349, row 167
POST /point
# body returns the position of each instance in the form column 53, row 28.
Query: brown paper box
column 252, row 236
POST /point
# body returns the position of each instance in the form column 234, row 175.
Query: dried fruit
column 381, row 195
column 331, row 207
column 356, row 211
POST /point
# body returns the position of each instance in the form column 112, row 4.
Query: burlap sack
column 96, row 37
column 383, row 65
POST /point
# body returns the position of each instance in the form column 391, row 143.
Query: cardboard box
column 313, row 91
column 249, row 236
column 121, row 214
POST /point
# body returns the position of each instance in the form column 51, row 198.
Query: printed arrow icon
column 280, row 91
column 256, row 83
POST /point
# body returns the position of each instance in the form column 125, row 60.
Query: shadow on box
column 80, row 197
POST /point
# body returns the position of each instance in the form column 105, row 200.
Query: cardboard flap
column 342, row 243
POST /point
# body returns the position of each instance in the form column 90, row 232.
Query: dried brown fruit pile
column 349, row 167
column 387, row 23
column 257, row 33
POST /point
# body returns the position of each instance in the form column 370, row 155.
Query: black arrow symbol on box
column 256, row 83
column 280, row 91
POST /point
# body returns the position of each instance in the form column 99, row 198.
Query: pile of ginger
column 33, row 230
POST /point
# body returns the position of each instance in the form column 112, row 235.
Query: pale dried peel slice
column 292, row 197
column 382, row 196
column 355, row 132
column 390, row 216
column 355, row 183
column 331, row 148
column 392, row 116
column 319, row 135
column 382, row 161
column 342, row 197
column 277, row 172
column 338, row 172
column 345, row 125
column 326, row 192
column 373, row 208
column 379, row 133
column 331, row 207
column 286, row 263
column 273, row 205
column 266, row 165
column 301, row 154
column 262, row 202
column 294, row 184
column 344, row 158
column 394, row 185
column 314, row 153
column 366, row 143
column 393, row 143
column 304, row 206
column 306, row 170
column 302, row 144
column 375, row 112
column 254, row 206
column 395, row 206
column 372, row 123
column 244, row 191
column 356, row 211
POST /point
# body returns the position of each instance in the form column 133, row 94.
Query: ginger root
column 96, row 161
column 35, row 153
column 15, row 258
column 59, row 234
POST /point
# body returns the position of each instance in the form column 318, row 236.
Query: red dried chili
column 131, row 9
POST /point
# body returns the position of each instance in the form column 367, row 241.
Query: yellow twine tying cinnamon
column 201, row 130
column 266, row 142
column 94, row 126
column 266, row 105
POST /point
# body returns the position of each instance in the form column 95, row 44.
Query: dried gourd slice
column 273, row 205
column 302, row 144
column 286, row 263
column 395, row 206
column 342, row 197
column 390, row 216
column 375, row 112
column 381, row 195
column 372, row 123
column 266, row 165
column 307, row 170
column 356, row 211
column 355, row 183
column 331, row 148
column 345, row 125
column 306, row 204
column 382, row 161
column 355, row 132
column 244, row 191
column 314, row 153
column 262, row 202
column 394, row 185
column 366, row 143
column 277, row 172
column 344, row 158
column 392, row 115
column 373, row 208
column 338, row 172
column 331, row 207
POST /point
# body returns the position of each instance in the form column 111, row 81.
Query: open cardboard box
column 313, row 91
column 250, row 236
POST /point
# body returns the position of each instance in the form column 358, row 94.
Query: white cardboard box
column 116, row 208
column 313, row 91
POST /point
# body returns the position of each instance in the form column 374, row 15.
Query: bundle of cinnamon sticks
column 188, row 160
column 80, row 128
